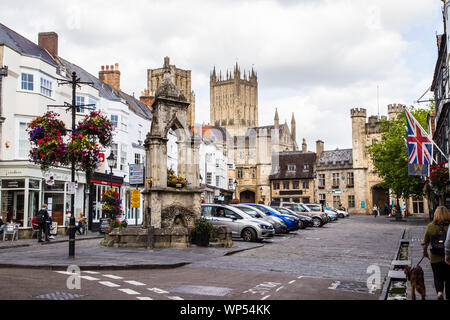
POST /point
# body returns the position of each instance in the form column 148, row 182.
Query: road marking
column 334, row 285
column 135, row 283
column 144, row 298
column 112, row 276
column 157, row 290
column 89, row 278
column 109, row 284
column 291, row 282
column 300, row 277
column 91, row 272
column 129, row 291
column 66, row 273
column 264, row 298
column 279, row 289
column 175, row 298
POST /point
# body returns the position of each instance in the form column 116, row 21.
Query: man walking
column 41, row 220
column 375, row 210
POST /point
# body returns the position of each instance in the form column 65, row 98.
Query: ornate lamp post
column 112, row 162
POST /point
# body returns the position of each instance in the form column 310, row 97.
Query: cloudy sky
column 316, row 58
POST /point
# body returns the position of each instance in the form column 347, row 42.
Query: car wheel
column 317, row 222
column 249, row 235
column 301, row 225
column 341, row 215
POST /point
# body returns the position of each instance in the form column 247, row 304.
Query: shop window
column 276, row 185
column 296, row 185
column 285, row 185
column 306, row 184
column 418, row 206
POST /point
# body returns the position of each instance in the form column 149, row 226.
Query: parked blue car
column 291, row 221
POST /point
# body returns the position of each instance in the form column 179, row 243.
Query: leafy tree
column 390, row 155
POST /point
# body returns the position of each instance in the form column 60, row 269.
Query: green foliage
column 202, row 226
column 390, row 155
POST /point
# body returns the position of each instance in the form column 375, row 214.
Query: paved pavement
column 316, row 263
column 89, row 254
column 339, row 250
column 415, row 237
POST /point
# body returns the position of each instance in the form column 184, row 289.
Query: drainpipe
column 3, row 73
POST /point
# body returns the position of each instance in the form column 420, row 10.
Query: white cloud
column 315, row 58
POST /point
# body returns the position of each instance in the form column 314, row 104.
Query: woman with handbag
column 435, row 235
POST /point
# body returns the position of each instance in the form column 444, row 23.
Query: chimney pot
column 49, row 42
column 117, row 66
column 103, row 68
column 112, row 67
column 107, row 67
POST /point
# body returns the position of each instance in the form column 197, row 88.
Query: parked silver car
column 241, row 224
column 278, row 224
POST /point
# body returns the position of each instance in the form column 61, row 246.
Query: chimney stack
column 304, row 146
column 147, row 99
column 110, row 76
column 319, row 148
column 49, row 42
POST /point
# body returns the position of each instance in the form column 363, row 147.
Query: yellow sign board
column 135, row 199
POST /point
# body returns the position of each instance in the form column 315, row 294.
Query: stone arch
column 176, row 125
column 247, row 196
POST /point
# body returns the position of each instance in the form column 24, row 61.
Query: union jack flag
column 420, row 146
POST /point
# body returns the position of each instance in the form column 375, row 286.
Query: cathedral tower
column 234, row 100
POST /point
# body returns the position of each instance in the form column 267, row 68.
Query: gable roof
column 297, row 158
column 24, row 46
column 338, row 156
column 107, row 92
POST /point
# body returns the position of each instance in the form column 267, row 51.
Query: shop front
column 100, row 183
column 24, row 188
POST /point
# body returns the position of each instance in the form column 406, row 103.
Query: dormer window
column 292, row 167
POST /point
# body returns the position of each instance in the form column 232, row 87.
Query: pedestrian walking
column 386, row 209
column 375, row 210
column 435, row 235
column 2, row 225
column 41, row 219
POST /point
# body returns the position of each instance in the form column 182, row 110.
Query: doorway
column 247, row 197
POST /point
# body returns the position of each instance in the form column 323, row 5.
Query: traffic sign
column 135, row 199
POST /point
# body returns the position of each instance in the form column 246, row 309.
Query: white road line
column 279, row 289
column 144, row 298
column 264, row 298
column 112, row 276
column 129, row 291
column 89, row 278
column 91, row 272
column 175, row 298
column 157, row 290
column 109, row 284
column 135, row 283
column 291, row 282
column 65, row 272
column 300, row 277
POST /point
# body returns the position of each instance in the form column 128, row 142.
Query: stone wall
column 137, row 237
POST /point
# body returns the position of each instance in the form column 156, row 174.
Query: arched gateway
column 168, row 211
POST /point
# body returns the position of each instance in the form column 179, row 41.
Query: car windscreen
column 249, row 211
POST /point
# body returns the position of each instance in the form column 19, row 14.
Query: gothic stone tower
column 234, row 101
column 182, row 80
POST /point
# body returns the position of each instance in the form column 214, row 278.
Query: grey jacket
column 447, row 244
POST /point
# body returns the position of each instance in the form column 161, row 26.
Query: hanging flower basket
column 96, row 124
column 111, row 203
column 46, row 135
